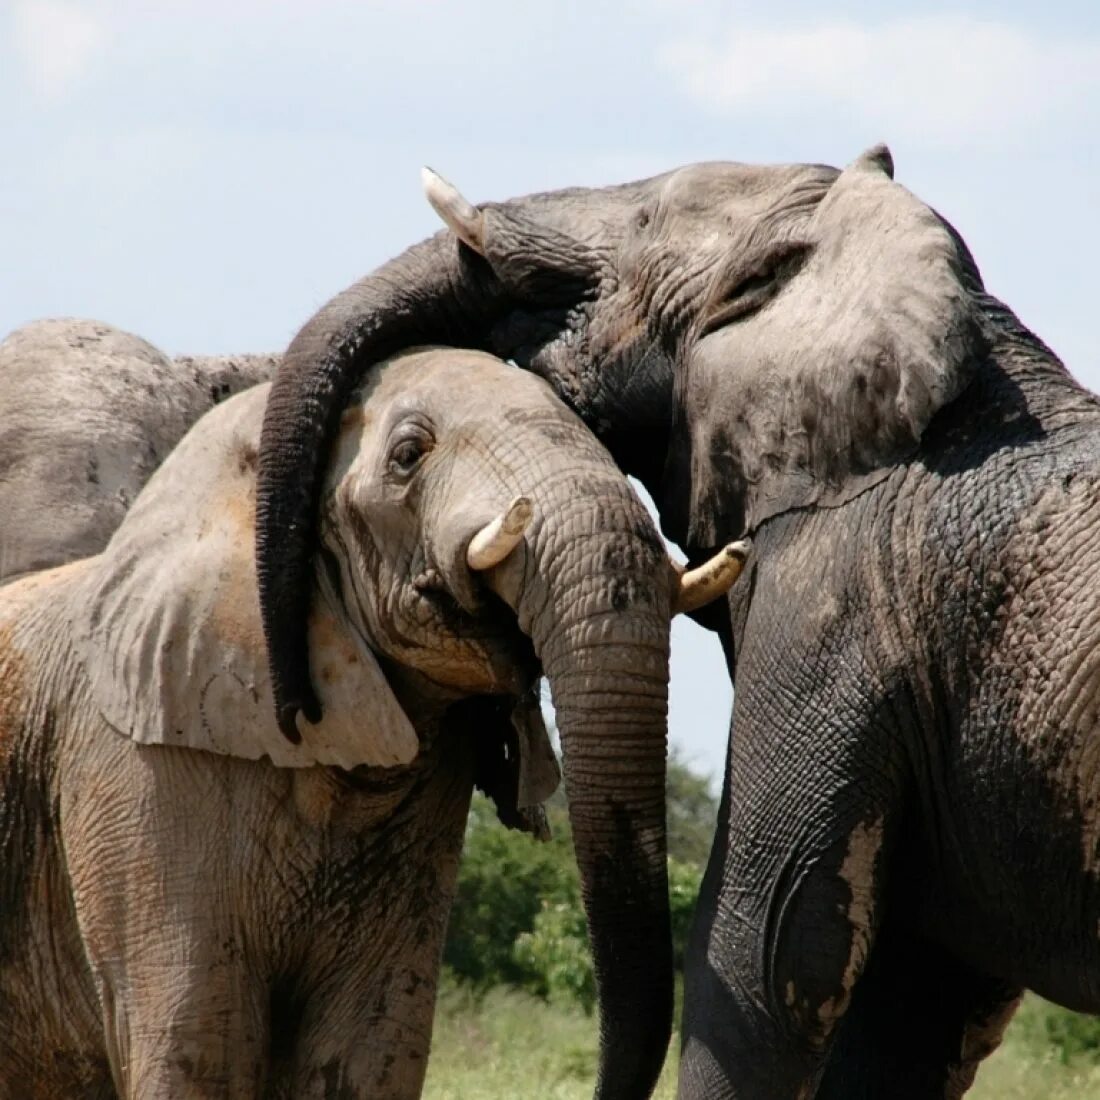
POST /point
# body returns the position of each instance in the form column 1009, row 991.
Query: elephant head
column 471, row 529
column 743, row 339
column 751, row 339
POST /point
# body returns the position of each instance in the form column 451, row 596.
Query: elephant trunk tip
column 287, row 716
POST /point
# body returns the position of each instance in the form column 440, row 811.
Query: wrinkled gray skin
column 89, row 412
column 910, row 825
column 192, row 906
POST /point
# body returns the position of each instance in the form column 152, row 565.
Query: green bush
column 503, row 878
column 683, row 890
column 1043, row 1026
column 518, row 918
column 555, row 956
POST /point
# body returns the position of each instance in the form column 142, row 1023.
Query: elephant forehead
column 703, row 189
column 445, row 383
column 450, row 372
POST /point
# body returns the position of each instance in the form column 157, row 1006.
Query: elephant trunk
column 435, row 292
column 596, row 606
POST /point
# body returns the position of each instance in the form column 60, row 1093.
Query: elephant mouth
column 506, row 653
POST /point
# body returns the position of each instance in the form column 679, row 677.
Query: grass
column 510, row 1044
column 1037, row 1061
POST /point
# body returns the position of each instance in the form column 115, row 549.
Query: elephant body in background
column 89, row 412
column 909, row 823
column 196, row 904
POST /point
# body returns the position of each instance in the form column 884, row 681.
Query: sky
column 207, row 174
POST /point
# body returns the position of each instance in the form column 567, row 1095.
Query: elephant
column 195, row 905
column 808, row 357
column 90, row 412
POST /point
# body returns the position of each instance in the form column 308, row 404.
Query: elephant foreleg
column 792, row 900
column 183, row 1033
column 367, row 1029
column 919, row 1025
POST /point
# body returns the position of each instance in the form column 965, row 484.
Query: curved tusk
column 466, row 222
column 710, row 580
column 496, row 540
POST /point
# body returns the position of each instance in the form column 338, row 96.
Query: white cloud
column 59, row 42
column 943, row 80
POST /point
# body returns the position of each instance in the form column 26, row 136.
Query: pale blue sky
column 207, row 174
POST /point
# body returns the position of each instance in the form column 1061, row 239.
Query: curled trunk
column 436, row 292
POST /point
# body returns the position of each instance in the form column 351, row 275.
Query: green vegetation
column 518, row 920
column 1048, row 1054
column 508, row 1044
column 515, row 1011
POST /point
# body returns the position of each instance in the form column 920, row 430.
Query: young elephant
column 265, row 917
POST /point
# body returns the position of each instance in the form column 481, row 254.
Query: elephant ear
column 168, row 621
column 813, row 397
column 514, row 762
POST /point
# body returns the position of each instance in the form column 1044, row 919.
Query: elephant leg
column 366, row 1028
column 370, row 1041
column 178, row 1030
column 919, row 1025
column 790, row 904
column 162, row 883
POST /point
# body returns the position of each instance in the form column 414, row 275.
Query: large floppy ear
column 168, row 622
column 813, row 396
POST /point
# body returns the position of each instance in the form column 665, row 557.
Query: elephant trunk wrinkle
column 596, row 601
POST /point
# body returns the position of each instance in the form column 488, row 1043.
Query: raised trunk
column 436, row 292
column 597, row 609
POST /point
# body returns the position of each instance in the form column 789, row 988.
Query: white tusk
column 496, row 540
column 710, row 580
column 466, row 222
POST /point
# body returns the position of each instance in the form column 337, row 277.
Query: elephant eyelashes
column 407, row 452
column 754, row 290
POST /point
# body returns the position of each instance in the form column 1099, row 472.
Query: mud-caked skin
column 178, row 923
column 909, row 824
column 193, row 905
column 89, row 412
column 918, row 666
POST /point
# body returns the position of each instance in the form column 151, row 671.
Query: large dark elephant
column 910, row 826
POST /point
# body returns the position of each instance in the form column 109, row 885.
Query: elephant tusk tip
column 697, row 587
column 460, row 216
column 432, row 182
column 498, row 538
column 518, row 516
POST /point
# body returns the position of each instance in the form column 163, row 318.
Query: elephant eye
column 747, row 292
column 406, row 453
